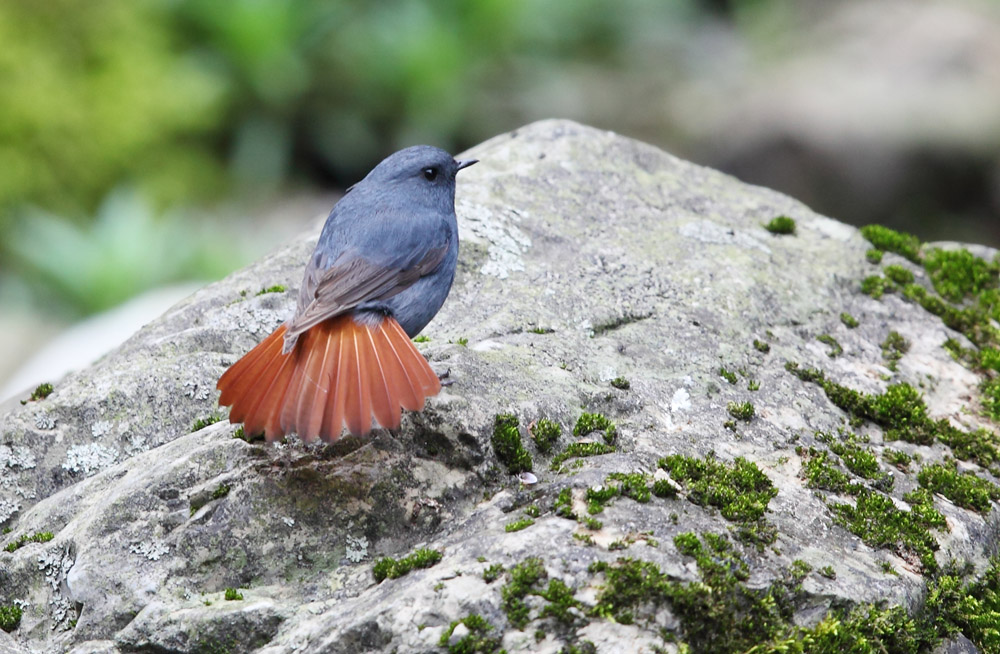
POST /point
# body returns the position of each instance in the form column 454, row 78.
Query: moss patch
column 849, row 321
column 835, row 347
column 233, row 595
column 893, row 348
column 741, row 410
column 518, row 525
column 581, row 450
column 902, row 414
column 964, row 489
column 477, row 641
column 588, row 423
column 889, row 240
column 390, row 568
column 507, row 444
column 10, row 617
column 24, row 539
column 740, row 491
column 781, row 225
column 277, row 288
column 545, row 433
column 876, row 520
column 41, row 392
column 820, row 471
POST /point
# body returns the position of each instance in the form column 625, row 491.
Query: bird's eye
column 430, row 174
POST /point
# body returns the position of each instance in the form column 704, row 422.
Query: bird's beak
column 466, row 163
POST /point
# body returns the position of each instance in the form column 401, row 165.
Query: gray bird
column 382, row 268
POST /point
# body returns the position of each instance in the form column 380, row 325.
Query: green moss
column 860, row 460
column 421, row 338
column 41, row 392
column 718, row 613
column 563, row 505
column 518, row 525
column 820, row 472
column 277, row 288
column 990, row 390
column 389, row 568
column 24, row 539
column 835, row 348
column 545, row 434
column 898, row 274
column 492, row 573
column 828, row 572
column 477, row 641
column 874, row 256
column 580, row 450
column 964, row 489
column 507, row 444
column 541, row 330
column 621, row 383
column 533, row 510
column 893, row 348
column 591, row 422
column 201, row 423
column 10, row 617
column 888, row 569
column 728, row 375
column 877, row 521
column 740, row 491
column 663, row 488
column 633, row 485
column 232, row 594
column 523, row 580
column 889, row 240
column 850, row 321
column 781, row 225
column 761, row 346
column 899, row 459
column 220, row 492
column 875, row 286
column 753, row 385
column 957, row 274
column 741, row 410
column 592, row 523
column 900, row 411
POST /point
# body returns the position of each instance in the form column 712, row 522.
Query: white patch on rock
column 357, row 548
column 21, row 457
column 101, row 428
column 89, row 458
column 7, row 509
column 55, row 563
column 705, row 231
column 506, row 243
column 289, row 522
column 152, row 551
column 681, row 400
column 44, row 421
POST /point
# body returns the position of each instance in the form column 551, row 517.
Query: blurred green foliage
column 188, row 101
column 79, row 269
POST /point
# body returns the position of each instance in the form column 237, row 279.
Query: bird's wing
column 351, row 280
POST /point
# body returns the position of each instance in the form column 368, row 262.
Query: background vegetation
column 130, row 130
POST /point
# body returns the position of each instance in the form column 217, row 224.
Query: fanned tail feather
column 339, row 374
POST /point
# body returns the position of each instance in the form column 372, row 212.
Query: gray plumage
column 389, row 246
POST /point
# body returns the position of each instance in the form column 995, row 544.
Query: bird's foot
column 445, row 378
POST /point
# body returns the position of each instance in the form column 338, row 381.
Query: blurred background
column 159, row 144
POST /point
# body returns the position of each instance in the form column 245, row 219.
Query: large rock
column 586, row 258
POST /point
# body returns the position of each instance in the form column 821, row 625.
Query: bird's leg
column 445, row 378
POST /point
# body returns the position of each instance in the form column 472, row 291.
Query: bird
column 382, row 268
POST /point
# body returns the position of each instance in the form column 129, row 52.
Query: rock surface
column 586, row 258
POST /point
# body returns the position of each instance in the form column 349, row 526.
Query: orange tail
column 339, row 374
